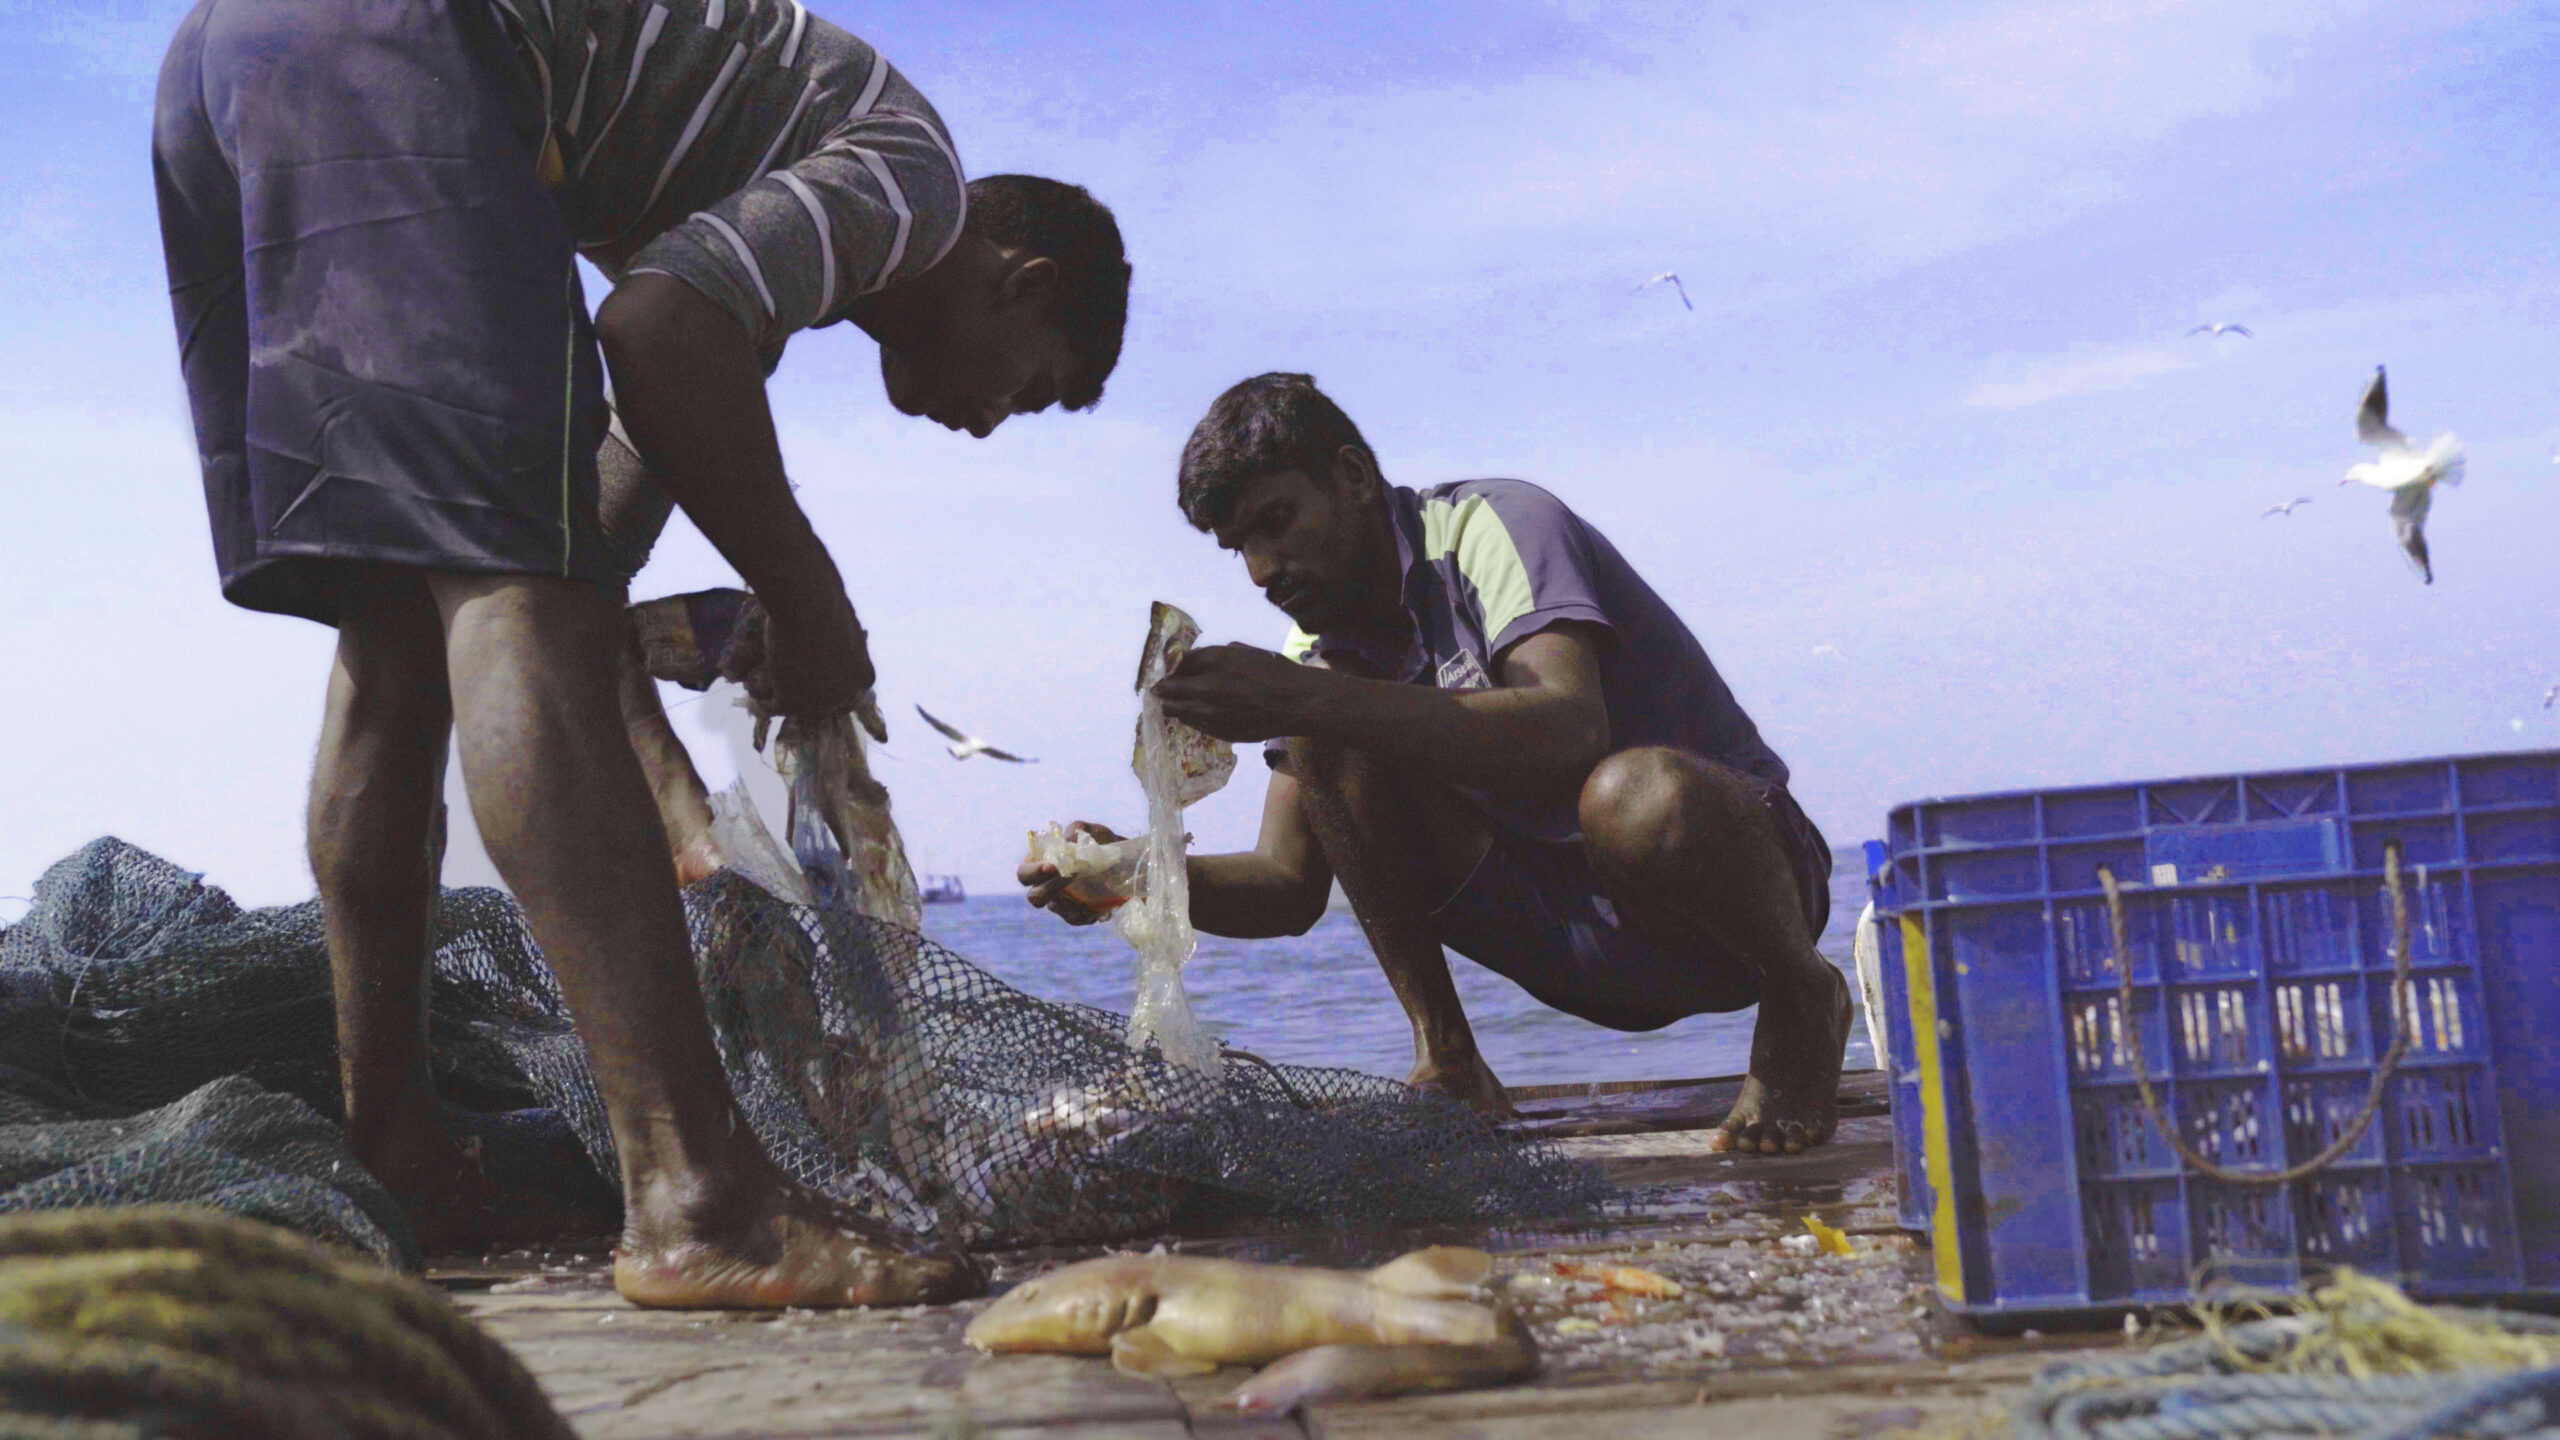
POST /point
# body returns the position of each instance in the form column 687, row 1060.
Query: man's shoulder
column 1490, row 521
column 1499, row 492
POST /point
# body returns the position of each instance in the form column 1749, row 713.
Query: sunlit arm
column 1279, row 887
column 1535, row 734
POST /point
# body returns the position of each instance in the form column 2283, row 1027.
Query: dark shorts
column 1534, row 913
column 385, row 346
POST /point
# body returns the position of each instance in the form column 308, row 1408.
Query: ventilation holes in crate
column 2338, row 1214
column 2454, row 1210
column 2223, row 1125
column 2317, row 1112
column 2243, row 1223
column 2211, row 934
column 2313, row 1022
column 2117, row 1137
column 2431, row 933
column 2307, row 930
column 2086, row 942
column 2436, row 1115
column 2213, row 1028
column 2433, row 1016
column 2131, row 1228
column 2097, row 1037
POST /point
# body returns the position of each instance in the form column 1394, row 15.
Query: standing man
column 1501, row 740
column 371, row 214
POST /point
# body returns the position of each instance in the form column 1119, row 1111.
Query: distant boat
column 942, row 889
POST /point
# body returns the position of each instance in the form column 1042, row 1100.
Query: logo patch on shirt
column 1463, row 671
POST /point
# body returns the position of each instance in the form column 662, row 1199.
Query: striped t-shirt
column 750, row 149
column 1488, row 563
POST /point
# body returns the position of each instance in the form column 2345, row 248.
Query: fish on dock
column 1406, row 1326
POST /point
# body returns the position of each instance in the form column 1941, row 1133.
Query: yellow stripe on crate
column 1937, row 1156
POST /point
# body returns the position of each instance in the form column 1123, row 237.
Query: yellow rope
column 243, row 1330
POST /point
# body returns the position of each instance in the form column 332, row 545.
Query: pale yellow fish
column 1404, row 1326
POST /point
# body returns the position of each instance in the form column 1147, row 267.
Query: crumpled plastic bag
column 747, row 846
column 1202, row 763
column 1176, row 765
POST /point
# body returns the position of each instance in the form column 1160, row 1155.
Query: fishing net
column 158, row 1042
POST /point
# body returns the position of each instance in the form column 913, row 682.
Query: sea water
column 1318, row 998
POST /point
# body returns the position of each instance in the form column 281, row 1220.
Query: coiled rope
column 2363, row 1361
column 173, row 1320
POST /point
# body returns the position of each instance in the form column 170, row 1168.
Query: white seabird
column 2286, row 509
column 963, row 746
column 1675, row 284
column 2409, row 474
column 2217, row 330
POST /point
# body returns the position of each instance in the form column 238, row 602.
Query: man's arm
column 1538, row 732
column 1277, row 888
column 691, row 392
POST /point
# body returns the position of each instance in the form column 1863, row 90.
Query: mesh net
column 158, row 1042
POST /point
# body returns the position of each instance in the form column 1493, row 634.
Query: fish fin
column 1144, row 1352
column 1346, row 1372
column 1443, row 1272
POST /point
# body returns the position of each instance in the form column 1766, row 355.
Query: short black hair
column 1065, row 223
column 1270, row 423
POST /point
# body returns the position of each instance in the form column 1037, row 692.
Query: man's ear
column 1028, row 279
column 1354, row 471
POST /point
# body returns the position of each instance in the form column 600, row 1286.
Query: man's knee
column 544, row 631
column 390, row 658
column 1637, row 805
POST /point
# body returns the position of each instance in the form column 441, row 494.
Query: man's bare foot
column 1791, row 1099
column 794, row 1248
column 1469, row 1081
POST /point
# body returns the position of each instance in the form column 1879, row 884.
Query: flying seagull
column 2409, row 474
column 2551, row 697
column 1675, row 284
column 964, row 746
column 2287, row 508
column 1827, row 648
column 2217, row 330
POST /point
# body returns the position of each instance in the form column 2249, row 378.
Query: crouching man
column 1502, row 741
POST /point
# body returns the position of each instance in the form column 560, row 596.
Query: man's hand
column 806, row 663
column 1239, row 693
column 1048, row 889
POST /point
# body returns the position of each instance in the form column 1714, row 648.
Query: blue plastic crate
column 2258, row 930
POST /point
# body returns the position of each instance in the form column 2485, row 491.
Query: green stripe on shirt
column 1471, row 531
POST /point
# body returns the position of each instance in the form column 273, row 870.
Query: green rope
column 163, row 1311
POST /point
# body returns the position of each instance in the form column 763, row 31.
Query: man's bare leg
column 570, row 822
column 375, row 800
column 1685, row 846
column 684, row 802
column 1393, row 862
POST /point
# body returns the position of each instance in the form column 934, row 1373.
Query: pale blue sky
column 1935, row 407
